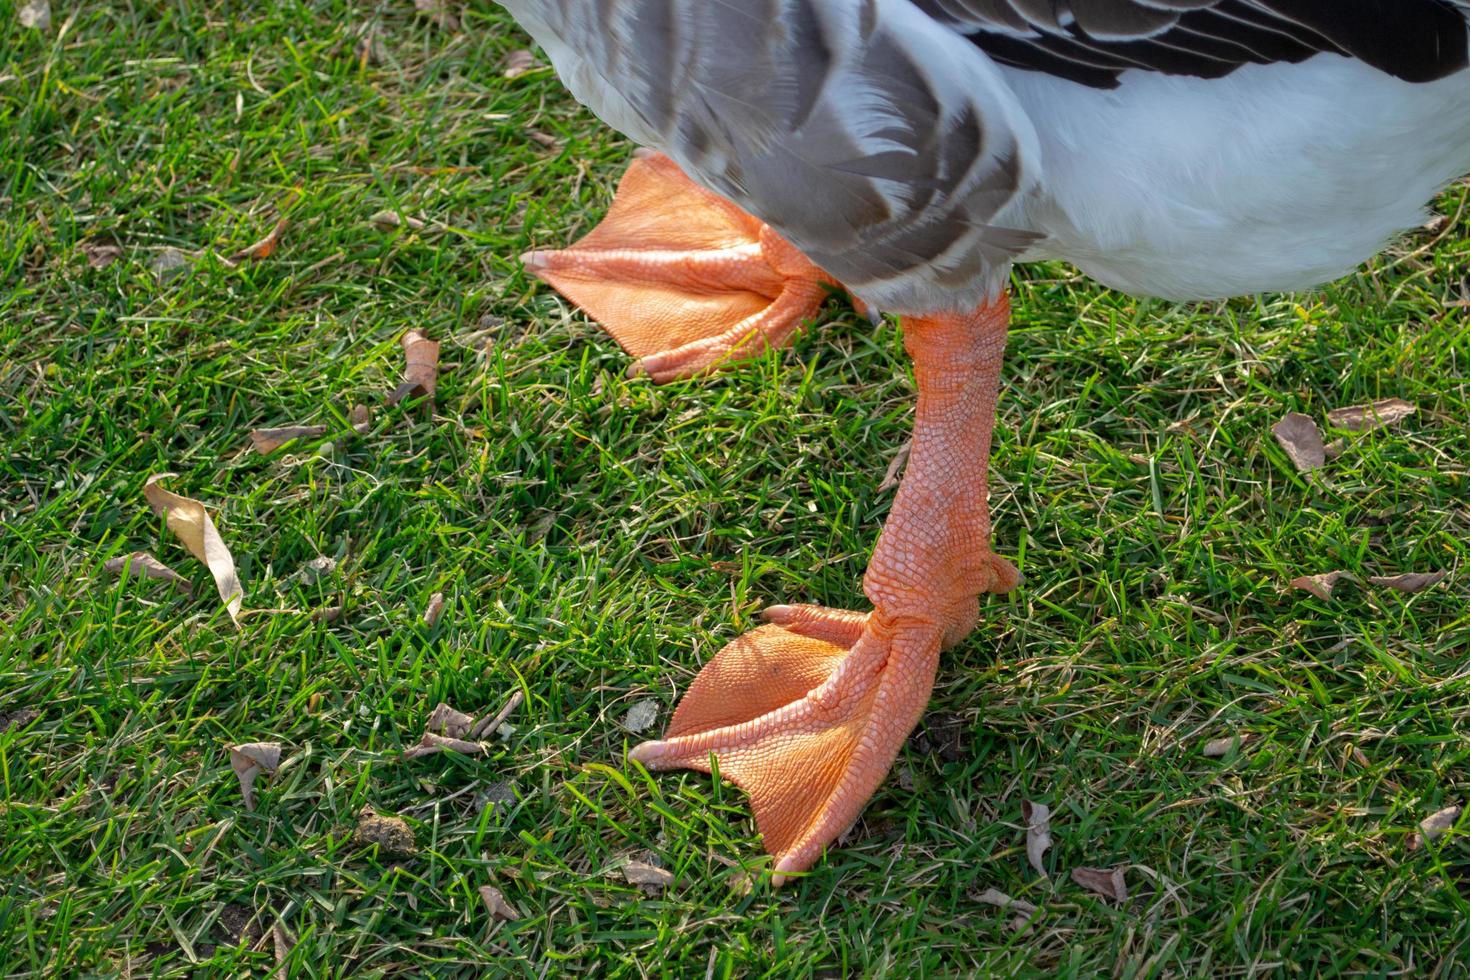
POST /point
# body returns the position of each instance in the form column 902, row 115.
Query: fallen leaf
column 283, row 943
column 269, row 440
column 434, row 610
column 1216, row 748
column 361, row 418
column 327, row 614
column 543, row 139
column 17, row 719
column 1436, row 824
column 99, row 255
column 35, row 14
column 497, row 723
column 369, row 49
column 391, row 834
column 249, row 761
column 421, row 371
column 1038, row 833
column 1365, row 418
column 169, row 263
column 430, row 744
column 388, row 220
column 439, row 13
column 641, row 715
column 1107, row 882
column 1319, row 585
column 496, row 904
column 894, row 474
column 188, row 519
column 140, row 564
column 1001, row 900
column 1302, row 440
column 642, row 873
column 444, row 720
column 262, row 249
column 517, row 63
column 1409, row 581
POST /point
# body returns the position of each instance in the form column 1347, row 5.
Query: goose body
column 912, row 150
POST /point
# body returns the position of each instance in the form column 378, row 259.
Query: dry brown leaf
column 444, row 720
column 35, row 15
column 1001, row 900
column 17, row 719
column 1438, row 823
column 421, row 370
column 1107, row 882
column 1219, row 747
column 262, row 249
column 544, row 139
column 1038, row 833
column 99, row 255
column 1302, row 440
column 1365, row 418
column 642, row 873
column 496, row 904
column 249, row 761
column 430, row 744
column 1319, row 585
column 283, row 943
column 433, row 611
column 641, row 715
column 517, row 63
column 327, row 614
column 391, row 834
column 388, row 220
column 894, row 473
column 269, row 440
column 1409, row 581
column 439, row 12
column 188, row 519
column 140, row 564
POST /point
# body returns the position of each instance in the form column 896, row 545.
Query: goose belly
column 1276, row 177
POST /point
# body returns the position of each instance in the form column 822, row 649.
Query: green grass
column 599, row 538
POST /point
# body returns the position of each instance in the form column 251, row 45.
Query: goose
column 910, row 152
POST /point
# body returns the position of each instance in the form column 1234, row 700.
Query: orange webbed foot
column 684, row 280
column 806, row 717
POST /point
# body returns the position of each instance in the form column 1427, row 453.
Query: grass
column 599, row 538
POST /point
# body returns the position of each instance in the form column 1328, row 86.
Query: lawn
column 597, row 538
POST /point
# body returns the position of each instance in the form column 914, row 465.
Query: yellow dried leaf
column 249, row 761
column 421, row 370
column 140, row 564
column 188, row 519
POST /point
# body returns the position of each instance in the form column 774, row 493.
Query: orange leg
column 684, row 280
column 808, row 713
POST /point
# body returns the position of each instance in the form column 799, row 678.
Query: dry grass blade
column 1319, row 585
column 269, row 440
column 421, row 369
column 262, row 249
column 140, row 564
column 1365, row 418
column 1409, row 581
column 1107, row 882
column 188, row 519
column 1038, row 833
column 1302, row 440
column 249, row 761
column 496, row 904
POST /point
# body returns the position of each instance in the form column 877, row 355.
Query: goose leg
column 807, row 713
column 683, row 279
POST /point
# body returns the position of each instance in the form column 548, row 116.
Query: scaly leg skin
column 683, row 279
column 807, row 713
